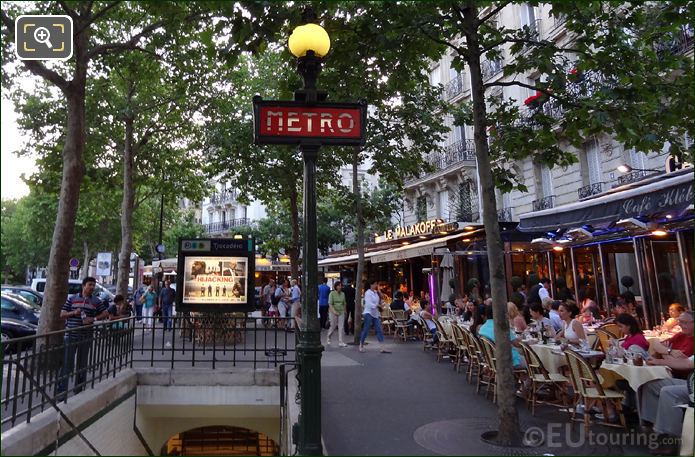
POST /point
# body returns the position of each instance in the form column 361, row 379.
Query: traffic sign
column 74, row 263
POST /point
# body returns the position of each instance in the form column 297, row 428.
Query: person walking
column 336, row 313
column 371, row 316
column 136, row 299
column 79, row 310
column 167, row 296
column 148, row 300
column 295, row 303
column 349, row 292
column 324, row 291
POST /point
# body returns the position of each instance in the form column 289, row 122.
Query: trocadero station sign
column 291, row 122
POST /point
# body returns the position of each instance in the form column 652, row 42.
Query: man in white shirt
column 552, row 306
column 543, row 292
column 371, row 316
column 295, row 302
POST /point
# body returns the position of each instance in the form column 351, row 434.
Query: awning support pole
column 603, row 277
column 574, row 275
column 684, row 268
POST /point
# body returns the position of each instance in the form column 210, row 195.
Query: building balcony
column 490, row 68
column 504, row 215
column 680, row 43
column 589, row 190
column 220, row 227
column 454, row 87
column 634, row 176
column 544, row 203
column 226, row 196
column 460, row 151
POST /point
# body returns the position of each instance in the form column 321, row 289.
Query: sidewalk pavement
column 405, row 403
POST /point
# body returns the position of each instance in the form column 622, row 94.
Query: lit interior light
column 659, row 233
column 558, row 248
column 466, row 239
column 422, row 237
column 469, row 227
column 405, row 243
column 669, row 216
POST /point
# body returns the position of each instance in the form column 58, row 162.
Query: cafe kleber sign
column 292, row 122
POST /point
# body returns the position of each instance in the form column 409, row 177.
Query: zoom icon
column 40, row 37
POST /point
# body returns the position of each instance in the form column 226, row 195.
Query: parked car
column 26, row 292
column 74, row 287
column 16, row 307
column 13, row 328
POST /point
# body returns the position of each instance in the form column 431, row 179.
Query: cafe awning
column 423, row 248
column 347, row 259
column 664, row 195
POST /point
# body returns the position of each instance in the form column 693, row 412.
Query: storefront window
column 620, row 264
column 589, row 281
column 670, row 281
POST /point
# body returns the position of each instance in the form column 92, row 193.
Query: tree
column 632, row 85
column 183, row 225
column 105, row 29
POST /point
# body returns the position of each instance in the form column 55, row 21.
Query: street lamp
column 309, row 43
column 625, row 168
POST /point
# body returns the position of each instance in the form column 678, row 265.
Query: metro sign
column 277, row 122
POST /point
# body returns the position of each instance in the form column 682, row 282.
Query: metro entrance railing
column 32, row 365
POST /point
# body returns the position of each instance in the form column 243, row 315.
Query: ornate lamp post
column 309, row 43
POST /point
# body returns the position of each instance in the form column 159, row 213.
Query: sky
column 12, row 167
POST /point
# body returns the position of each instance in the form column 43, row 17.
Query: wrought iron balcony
column 455, row 153
column 589, row 190
column 544, row 203
column 553, row 108
column 223, row 197
column 490, row 68
column 679, row 44
column 454, row 87
column 504, row 215
column 219, row 227
column 635, row 176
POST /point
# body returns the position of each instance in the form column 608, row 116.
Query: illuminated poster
column 215, row 280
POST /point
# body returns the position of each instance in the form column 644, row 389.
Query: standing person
column 295, row 302
column 79, row 310
column 349, row 292
column 336, row 310
column 167, row 296
column 324, row 291
column 148, row 301
column 267, row 296
column 136, row 299
column 371, row 316
column 283, row 300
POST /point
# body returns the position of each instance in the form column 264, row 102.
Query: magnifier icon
column 42, row 35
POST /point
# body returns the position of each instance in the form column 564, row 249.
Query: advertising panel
column 216, row 275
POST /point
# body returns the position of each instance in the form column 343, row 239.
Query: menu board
column 220, row 280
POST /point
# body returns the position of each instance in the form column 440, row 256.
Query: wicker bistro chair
column 588, row 389
column 475, row 355
column 445, row 343
column 603, row 338
column 427, row 339
column 386, row 320
column 611, row 328
column 461, row 354
column 540, row 378
column 488, row 374
column 400, row 324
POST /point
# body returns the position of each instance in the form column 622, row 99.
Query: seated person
column 659, row 400
column 634, row 338
column 488, row 330
column 516, row 320
column 427, row 318
column 541, row 321
column 551, row 306
column 679, row 345
column 398, row 304
column 572, row 329
column 674, row 311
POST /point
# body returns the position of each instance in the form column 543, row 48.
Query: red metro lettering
column 310, row 122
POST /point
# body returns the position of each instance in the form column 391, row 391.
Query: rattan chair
column 474, row 354
column 445, row 342
column 460, row 347
column 540, row 378
column 611, row 328
column 589, row 391
column 603, row 338
column 488, row 374
column 427, row 338
column 400, row 324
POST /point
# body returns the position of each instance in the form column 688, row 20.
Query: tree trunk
column 85, row 264
column 294, row 249
column 58, row 271
column 509, row 432
column 126, row 210
column 357, row 192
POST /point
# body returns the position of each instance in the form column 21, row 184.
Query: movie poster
column 212, row 280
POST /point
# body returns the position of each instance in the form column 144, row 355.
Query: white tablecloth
column 634, row 375
column 554, row 359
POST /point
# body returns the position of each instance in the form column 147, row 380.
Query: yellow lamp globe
column 309, row 37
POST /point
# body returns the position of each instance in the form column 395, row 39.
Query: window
column 444, row 205
column 421, row 210
column 637, row 159
column 435, row 77
column 593, row 162
column 464, row 204
column 544, row 181
column 528, row 16
column 459, row 132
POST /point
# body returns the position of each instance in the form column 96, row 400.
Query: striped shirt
column 91, row 306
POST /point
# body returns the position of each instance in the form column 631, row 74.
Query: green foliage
column 183, row 225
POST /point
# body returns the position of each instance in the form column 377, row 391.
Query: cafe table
column 636, row 376
column 553, row 357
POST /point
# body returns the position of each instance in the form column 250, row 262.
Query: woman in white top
column 572, row 329
column 371, row 316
